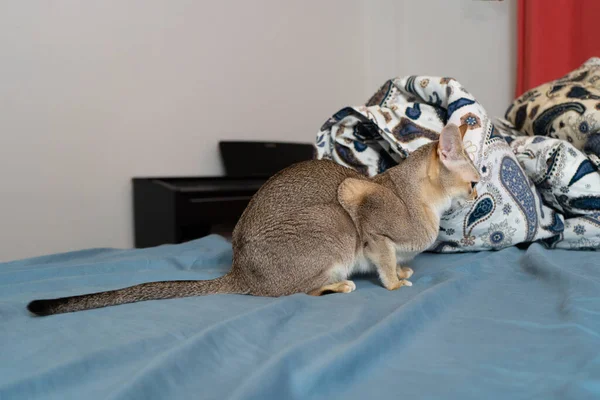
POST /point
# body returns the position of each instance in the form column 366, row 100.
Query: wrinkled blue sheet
column 512, row 324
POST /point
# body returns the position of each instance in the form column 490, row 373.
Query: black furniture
column 169, row 210
column 261, row 159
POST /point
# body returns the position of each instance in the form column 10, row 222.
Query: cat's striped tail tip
column 39, row 307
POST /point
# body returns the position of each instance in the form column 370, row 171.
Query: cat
column 313, row 225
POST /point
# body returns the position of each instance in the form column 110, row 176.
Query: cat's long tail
column 145, row 291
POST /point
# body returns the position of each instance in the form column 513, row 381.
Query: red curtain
column 554, row 38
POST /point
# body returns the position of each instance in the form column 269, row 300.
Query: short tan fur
column 314, row 225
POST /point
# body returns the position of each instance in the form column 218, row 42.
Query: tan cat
column 315, row 224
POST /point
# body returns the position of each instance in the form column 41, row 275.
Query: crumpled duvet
column 534, row 188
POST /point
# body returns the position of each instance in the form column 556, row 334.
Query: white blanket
column 532, row 188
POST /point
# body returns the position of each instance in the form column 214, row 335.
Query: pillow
column 567, row 108
column 408, row 112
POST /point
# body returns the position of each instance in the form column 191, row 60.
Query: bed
column 515, row 323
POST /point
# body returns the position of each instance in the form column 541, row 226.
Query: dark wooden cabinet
column 175, row 210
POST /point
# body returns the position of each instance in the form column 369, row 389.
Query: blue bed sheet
column 513, row 324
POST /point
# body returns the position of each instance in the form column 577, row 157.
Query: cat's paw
column 404, row 272
column 399, row 284
column 347, row 287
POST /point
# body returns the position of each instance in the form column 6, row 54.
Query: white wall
column 472, row 41
column 94, row 93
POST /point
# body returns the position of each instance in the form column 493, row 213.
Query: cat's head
column 457, row 173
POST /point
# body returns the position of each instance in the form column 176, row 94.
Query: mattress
column 491, row 325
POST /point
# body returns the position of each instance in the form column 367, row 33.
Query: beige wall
column 93, row 93
column 471, row 41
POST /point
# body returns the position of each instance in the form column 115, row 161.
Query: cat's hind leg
column 338, row 287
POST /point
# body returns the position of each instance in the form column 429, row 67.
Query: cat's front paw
column 399, row 284
column 404, row 272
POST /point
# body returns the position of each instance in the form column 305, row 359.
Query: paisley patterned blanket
column 539, row 166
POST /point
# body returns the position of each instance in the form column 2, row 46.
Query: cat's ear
column 450, row 146
column 452, row 153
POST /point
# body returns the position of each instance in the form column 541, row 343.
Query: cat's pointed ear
column 450, row 146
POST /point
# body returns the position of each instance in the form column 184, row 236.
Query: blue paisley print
column 413, row 112
column 482, row 209
column 543, row 123
column 516, row 184
column 586, row 167
column 455, row 105
column 591, row 203
column 557, row 225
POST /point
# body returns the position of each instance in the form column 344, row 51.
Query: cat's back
column 297, row 192
column 305, row 183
